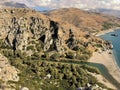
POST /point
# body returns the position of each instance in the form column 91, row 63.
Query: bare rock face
column 24, row 88
column 7, row 73
column 22, row 30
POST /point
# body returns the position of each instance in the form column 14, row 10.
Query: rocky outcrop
column 7, row 73
column 31, row 31
column 18, row 31
column 22, row 30
column 24, row 88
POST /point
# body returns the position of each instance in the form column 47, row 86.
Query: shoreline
column 108, row 60
column 106, row 31
column 113, row 54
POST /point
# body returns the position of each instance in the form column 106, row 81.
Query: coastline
column 108, row 60
column 106, row 31
column 115, row 62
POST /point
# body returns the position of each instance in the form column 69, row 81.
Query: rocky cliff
column 7, row 73
column 28, row 30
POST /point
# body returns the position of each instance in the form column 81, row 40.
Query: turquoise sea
column 115, row 40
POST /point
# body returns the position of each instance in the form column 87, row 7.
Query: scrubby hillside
column 87, row 21
column 31, row 32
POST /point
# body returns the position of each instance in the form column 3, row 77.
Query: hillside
column 31, row 31
column 43, row 50
column 86, row 21
column 110, row 12
column 12, row 4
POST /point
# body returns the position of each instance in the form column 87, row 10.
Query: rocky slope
column 109, row 12
column 87, row 21
column 31, row 31
column 7, row 73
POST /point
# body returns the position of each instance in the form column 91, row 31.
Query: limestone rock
column 7, row 72
column 24, row 88
column 30, row 31
column 23, row 29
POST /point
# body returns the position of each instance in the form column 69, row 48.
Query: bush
column 38, row 47
column 107, row 25
column 36, row 56
column 8, row 53
column 91, row 69
column 3, row 45
column 82, row 57
column 30, row 47
column 55, row 56
column 70, row 55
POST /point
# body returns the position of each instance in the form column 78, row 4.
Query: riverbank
column 108, row 61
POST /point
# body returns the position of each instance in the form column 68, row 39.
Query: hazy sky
column 84, row 4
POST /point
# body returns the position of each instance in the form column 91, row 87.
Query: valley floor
column 108, row 61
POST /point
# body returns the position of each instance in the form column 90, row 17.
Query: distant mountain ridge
column 13, row 4
column 111, row 12
column 85, row 20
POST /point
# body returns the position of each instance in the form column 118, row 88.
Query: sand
column 108, row 61
column 106, row 31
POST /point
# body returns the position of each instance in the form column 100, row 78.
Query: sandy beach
column 106, row 31
column 108, row 61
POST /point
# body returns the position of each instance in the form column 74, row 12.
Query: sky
column 82, row 4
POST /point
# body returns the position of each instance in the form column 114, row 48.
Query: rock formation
column 19, row 30
column 25, row 31
column 7, row 73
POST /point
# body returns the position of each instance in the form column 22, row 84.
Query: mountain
column 51, row 34
column 13, row 4
column 43, row 49
column 86, row 21
column 109, row 12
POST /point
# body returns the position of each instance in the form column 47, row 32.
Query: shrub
column 107, row 25
column 38, row 47
column 30, row 47
column 55, row 56
column 36, row 56
column 91, row 69
column 70, row 55
column 3, row 45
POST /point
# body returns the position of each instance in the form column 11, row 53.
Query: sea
column 114, row 38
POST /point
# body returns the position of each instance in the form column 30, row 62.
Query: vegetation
column 37, row 73
column 30, row 47
column 3, row 45
column 108, row 25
